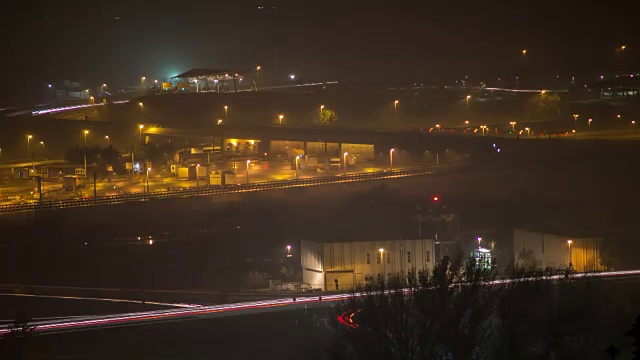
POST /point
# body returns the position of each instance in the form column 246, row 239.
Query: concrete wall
column 353, row 263
column 553, row 251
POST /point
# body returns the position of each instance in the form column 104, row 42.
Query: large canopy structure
column 209, row 75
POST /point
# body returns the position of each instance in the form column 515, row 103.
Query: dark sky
column 407, row 40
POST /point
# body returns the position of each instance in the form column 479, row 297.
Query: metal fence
column 214, row 190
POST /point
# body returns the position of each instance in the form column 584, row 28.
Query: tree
column 327, row 117
column 257, row 280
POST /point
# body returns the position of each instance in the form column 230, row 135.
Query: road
column 213, row 190
column 81, row 323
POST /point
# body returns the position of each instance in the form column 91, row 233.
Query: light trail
column 138, row 318
column 115, row 300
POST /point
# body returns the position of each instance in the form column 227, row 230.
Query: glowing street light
column 142, row 79
column 479, row 241
column 219, row 121
column 524, row 52
column 391, row 159
column 86, row 132
column 280, row 118
column 140, row 127
column 589, row 122
column 513, row 126
column 297, row 158
column 321, row 109
column 257, row 75
column 395, row 106
column 29, row 137
column 248, row 162
column 106, row 137
column 569, row 242
column 91, row 100
column 344, row 161
column 483, row 127
column 148, row 170
column 288, row 250
column 468, row 97
column 528, row 131
column 226, row 114
column 142, row 111
column 466, row 122
column 292, row 77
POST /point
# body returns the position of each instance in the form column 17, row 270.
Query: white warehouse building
column 345, row 265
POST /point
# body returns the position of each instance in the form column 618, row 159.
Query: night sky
column 318, row 40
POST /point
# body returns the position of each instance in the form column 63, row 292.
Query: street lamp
column 569, row 242
column 140, row 131
column 395, row 106
column 297, row 158
column 292, row 77
column 197, row 177
column 142, row 111
column 391, row 159
column 479, row 241
column 466, row 122
column 280, row 117
column 321, row 108
column 226, row 114
column 528, row 131
column 257, row 75
column 86, row 132
column 91, row 100
column 289, row 251
column 483, row 127
column 513, row 126
column 344, row 160
column 219, row 121
column 29, row 137
column 142, row 80
column 575, row 121
column 438, row 127
column 106, row 137
column 468, row 97
column 248, row 162
column 589, row 122
column 148, row 169
column 524, row 52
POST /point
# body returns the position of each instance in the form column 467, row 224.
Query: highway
column 80, row 323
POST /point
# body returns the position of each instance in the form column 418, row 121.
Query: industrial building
column 345, row 265
column 547, row 251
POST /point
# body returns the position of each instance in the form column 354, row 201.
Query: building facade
column 345, row 265
column 547, row 251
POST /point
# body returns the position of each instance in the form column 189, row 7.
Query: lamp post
column 468, row 97
column 297, row 158
column 29, row 137
column 482, row 127
column 589, row 122
column 528, row 131
column 197, row 178
column 479, row 241
column 524, row 52
column 575, row 121
column 391, row 159
column 248, row 162
column 569, row 242
column 226, row 114
column 321, row 108
column 86, row 132
column 219, row 121
column 344, row 160
column 466, row 122
column 438, row 127
column 141, row 111
column 288, row 250
column 257, row 76
column 106, row 137
column 148, row 169
column 280, row 117
column 140, row 127
column 395, row 106
column 381, row 250
column 513, row 126
column 92, row 100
